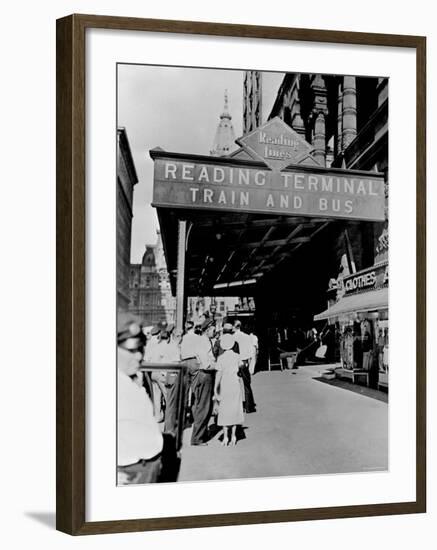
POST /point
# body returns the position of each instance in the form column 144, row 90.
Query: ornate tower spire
column 224, row 141
column 225, row 113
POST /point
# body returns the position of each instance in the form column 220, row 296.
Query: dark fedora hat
column 206, row 324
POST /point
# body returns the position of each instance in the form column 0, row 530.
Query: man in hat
column 190, row 347
column 207, row 338
column 150, row 355
column 203, row 384
column 218, row 320
column 140, row 442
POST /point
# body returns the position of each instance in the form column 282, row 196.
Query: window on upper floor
column 367, row 100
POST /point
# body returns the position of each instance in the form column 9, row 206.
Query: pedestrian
column 367, row 346
column 228, row 391
column 202, row 385
column 165, row 351
column 245, row 353
column 159, row 352
column 357, row 349
column 152, row 342
column 171, row 353
column 190, row 359
column 380, row 348
column 190, row 348
column 174, row 353
column 140, row 442
column 218, row 320
column 254, row 354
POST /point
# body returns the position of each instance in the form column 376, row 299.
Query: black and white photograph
column 219, row 265
column 252, row 235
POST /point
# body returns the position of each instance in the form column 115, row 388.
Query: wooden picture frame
column 71, row 274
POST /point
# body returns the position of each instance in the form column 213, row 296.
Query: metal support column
column 180, row 281
column 349, row 252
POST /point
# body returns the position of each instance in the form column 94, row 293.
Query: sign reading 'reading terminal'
column 296, row 190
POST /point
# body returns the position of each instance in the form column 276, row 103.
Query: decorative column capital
column 320, row 94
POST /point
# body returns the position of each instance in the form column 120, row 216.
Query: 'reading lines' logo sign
column 275, row 144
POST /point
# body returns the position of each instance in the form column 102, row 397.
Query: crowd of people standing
column 219, row 360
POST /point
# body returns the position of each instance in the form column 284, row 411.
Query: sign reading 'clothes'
column 297, row 190
column 367, row 279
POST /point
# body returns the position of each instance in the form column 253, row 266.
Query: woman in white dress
column 228, row 391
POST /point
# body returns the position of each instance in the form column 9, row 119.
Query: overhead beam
column 279, row 242
column 259, row 246
column 284, row 221
column 227, row 262
column 313, row 234
column 291, row 236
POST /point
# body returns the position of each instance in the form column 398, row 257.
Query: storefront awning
column 356, row 303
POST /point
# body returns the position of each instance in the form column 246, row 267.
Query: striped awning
column 373, row 300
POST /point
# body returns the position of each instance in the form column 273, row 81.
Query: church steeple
column 224, row 141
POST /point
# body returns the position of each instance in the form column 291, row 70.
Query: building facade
column 149, row 287
column 226, row 235
column 345, row 119
column 126, row 180
column 252, row 101
column 200, row 307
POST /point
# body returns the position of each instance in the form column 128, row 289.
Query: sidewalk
column 303, row 426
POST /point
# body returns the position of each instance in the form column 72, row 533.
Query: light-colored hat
column 227, row 341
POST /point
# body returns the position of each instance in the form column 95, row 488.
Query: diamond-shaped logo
column 275, row 144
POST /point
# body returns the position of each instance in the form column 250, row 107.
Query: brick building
column 126, row 179
column 149, row 287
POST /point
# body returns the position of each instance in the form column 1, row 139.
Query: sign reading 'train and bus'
column 297, row 190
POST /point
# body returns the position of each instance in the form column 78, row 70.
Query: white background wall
column 27, row 215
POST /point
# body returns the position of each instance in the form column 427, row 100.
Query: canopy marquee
column 227, row 222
